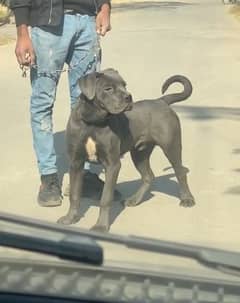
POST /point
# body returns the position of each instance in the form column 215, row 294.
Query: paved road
column 149, row 43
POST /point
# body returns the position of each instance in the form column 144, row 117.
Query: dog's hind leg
column 142, row 164
column 111, row 175
column 174, row 154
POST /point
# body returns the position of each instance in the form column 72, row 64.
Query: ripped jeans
column 75, row 43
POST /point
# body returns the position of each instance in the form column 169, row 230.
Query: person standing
column 51, row 33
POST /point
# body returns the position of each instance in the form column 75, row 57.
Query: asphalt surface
column 148, row 43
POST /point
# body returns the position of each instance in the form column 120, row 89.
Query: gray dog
column 106, row 124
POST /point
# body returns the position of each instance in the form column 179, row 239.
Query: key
column 24, row 71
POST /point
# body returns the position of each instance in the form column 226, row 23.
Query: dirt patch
column 5, row 40
column 128, row 1
column 235, row 11
column 3, row 11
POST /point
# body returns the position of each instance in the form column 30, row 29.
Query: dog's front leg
column 76, row 180
column 111, row 175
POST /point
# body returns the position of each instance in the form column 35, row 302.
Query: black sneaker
column 50, row 192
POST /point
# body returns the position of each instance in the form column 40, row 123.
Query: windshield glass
column 149, row 42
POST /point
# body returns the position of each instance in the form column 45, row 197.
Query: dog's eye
column 108, row 89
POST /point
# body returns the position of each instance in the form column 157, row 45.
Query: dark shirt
column 50, row 12
column 88, row 7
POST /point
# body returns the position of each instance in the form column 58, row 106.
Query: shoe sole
column 50, row 203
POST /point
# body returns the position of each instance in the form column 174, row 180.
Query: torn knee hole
column 46, row 125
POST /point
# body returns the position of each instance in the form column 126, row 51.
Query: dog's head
column 107, row 90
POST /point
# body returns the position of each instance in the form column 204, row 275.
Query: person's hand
column 24, row 49
column 103, row 20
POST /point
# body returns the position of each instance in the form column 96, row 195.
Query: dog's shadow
column 92, row 192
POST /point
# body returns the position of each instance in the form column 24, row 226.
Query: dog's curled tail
column 177, row 97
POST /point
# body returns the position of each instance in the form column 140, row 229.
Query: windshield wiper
column 78, row 241
column 69, row 247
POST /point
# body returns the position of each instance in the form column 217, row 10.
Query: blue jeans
column 75, row 42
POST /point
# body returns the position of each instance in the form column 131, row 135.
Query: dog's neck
column 90, row 113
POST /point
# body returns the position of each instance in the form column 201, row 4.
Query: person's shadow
column 92, row 192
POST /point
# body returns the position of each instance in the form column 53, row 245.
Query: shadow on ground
column 236, row 151
column 143, row 5
column 208, row 112
column 235, row 190
column 163, row 184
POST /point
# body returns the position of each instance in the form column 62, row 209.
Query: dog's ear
column 114, row 74
column 88, row 85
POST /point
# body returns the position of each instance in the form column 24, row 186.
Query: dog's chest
column 91, row 149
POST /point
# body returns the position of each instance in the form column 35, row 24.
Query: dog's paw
column 188, row 202
column 131, row 202
column 68, row 220
column 100, row 228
